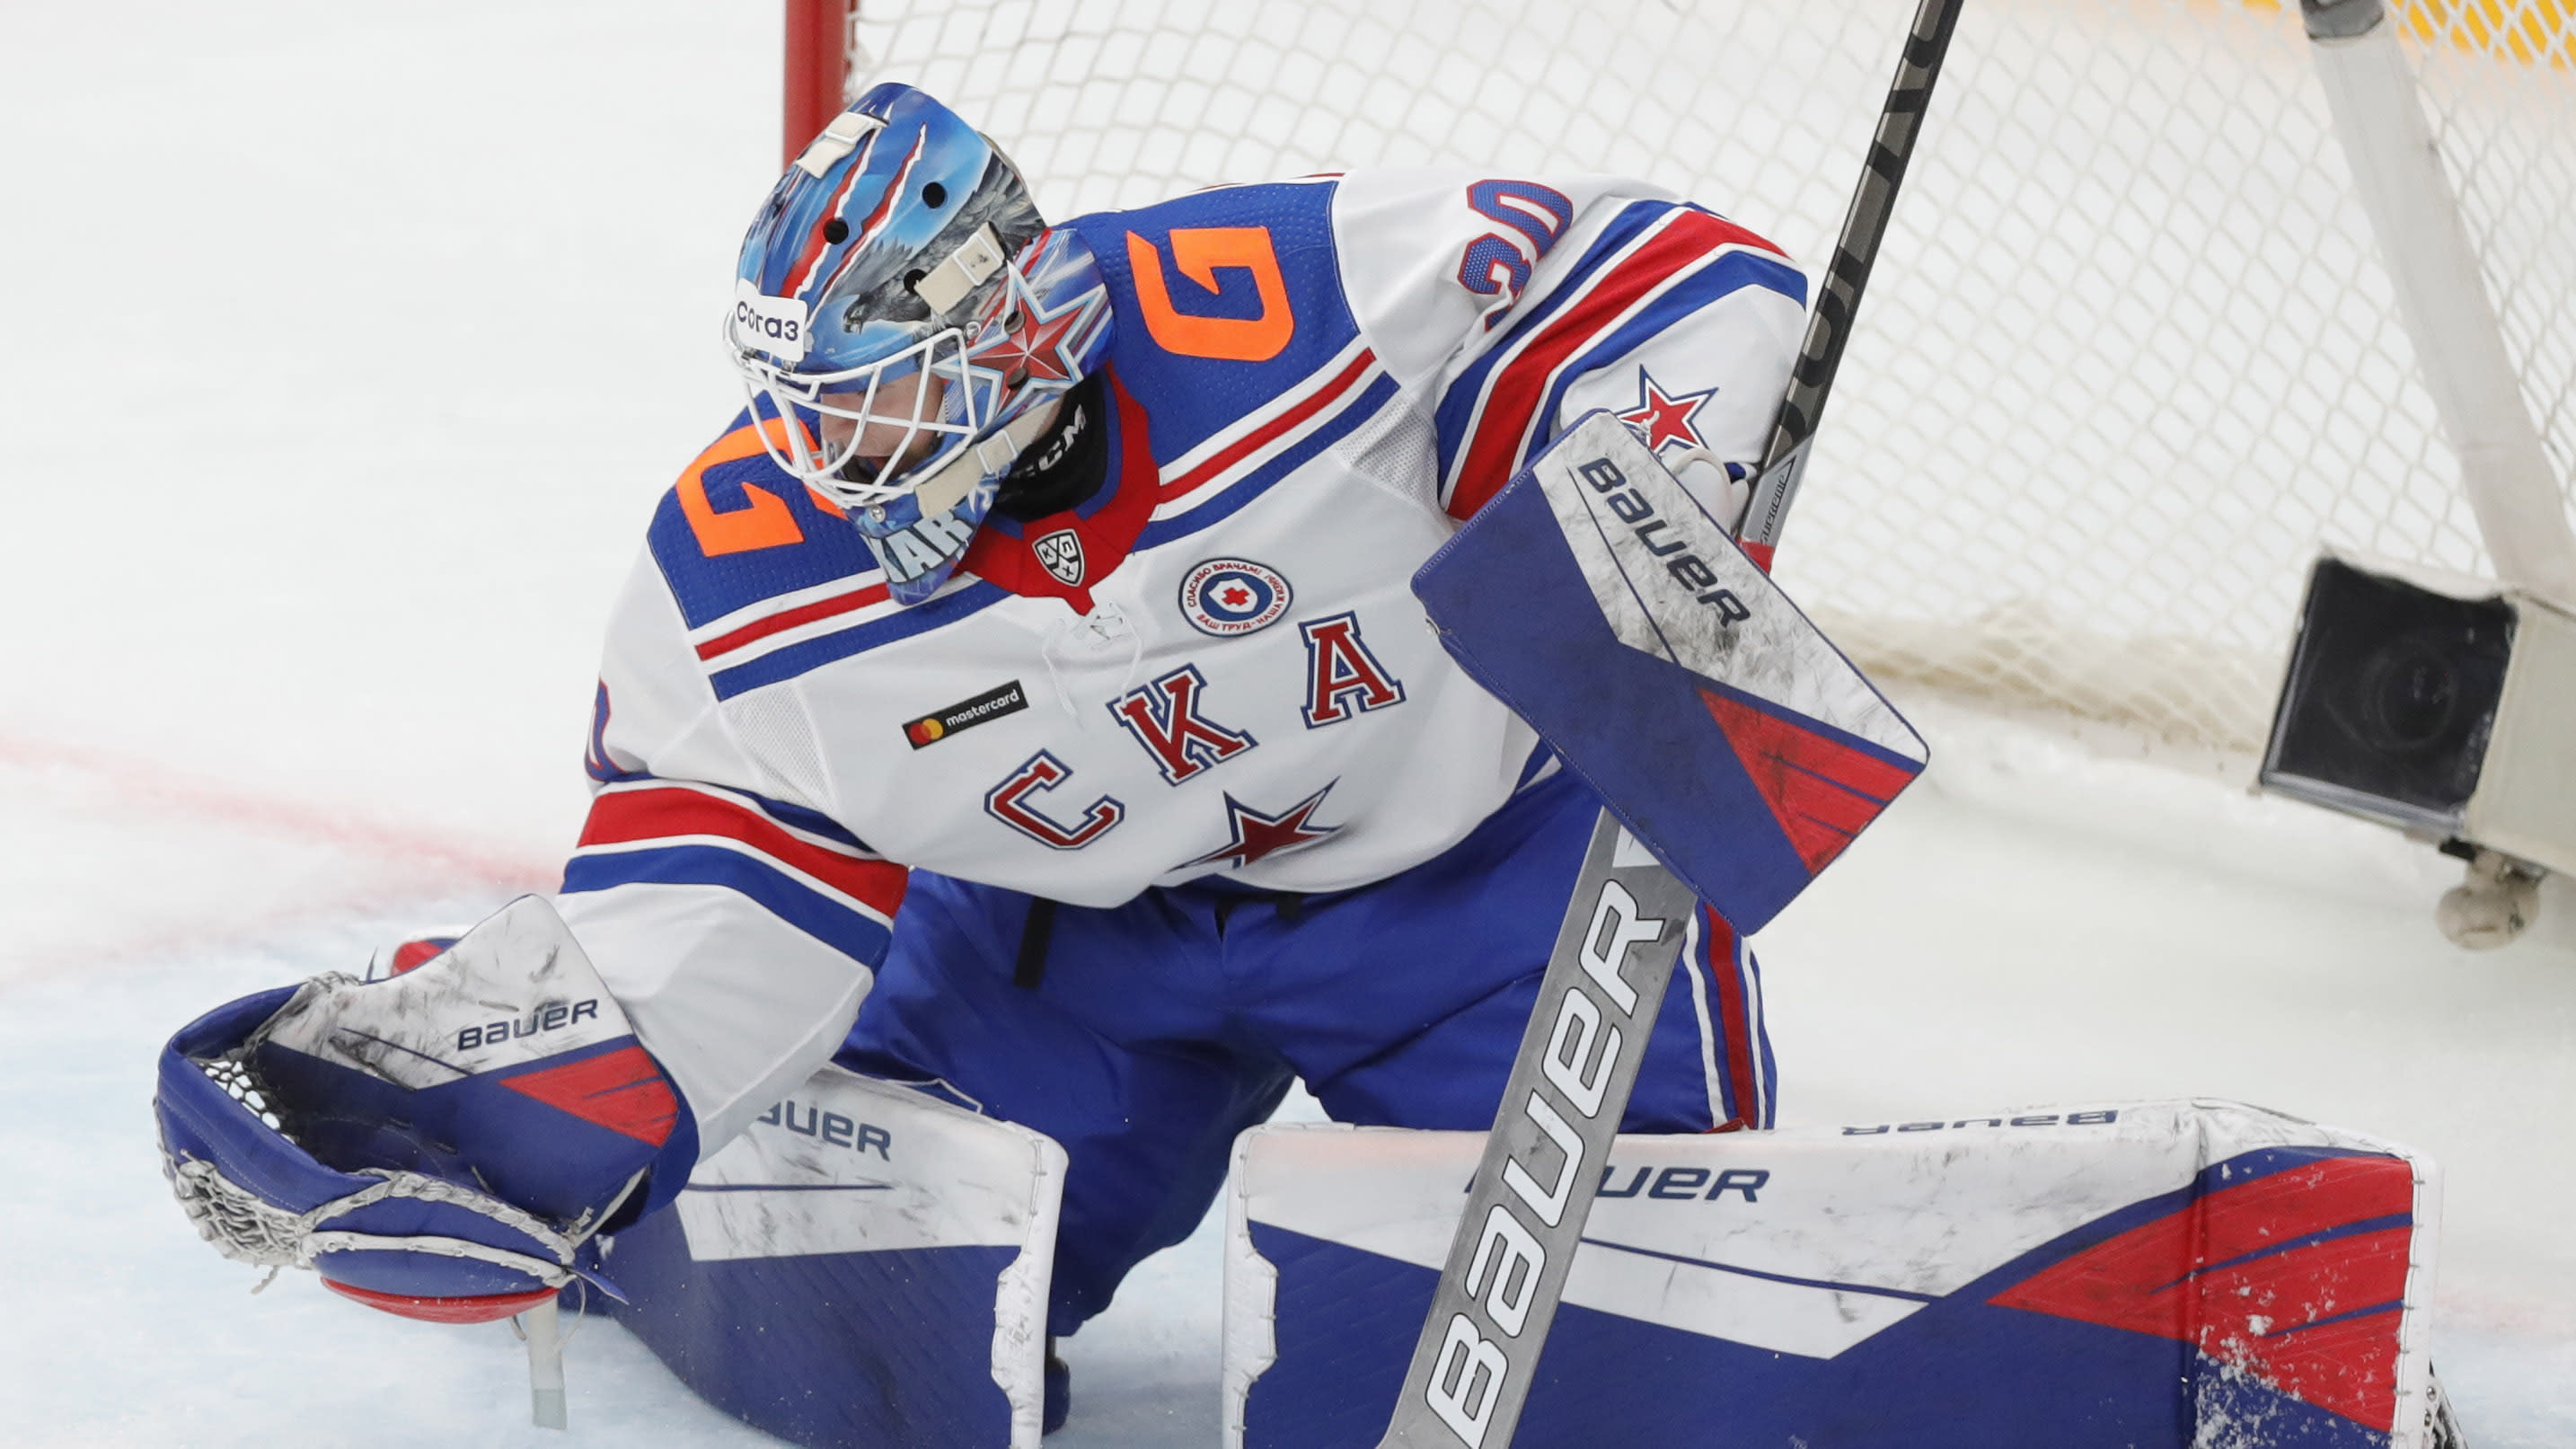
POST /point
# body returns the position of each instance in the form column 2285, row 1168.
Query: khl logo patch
column 1227, row 597
column 1061, row 552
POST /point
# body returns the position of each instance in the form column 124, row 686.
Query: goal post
column 2397, row 174
column 822, row 54
column 2135, row 351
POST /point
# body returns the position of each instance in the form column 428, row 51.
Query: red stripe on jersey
column 1734, row 1021
column 621, row 817
column 623, row 1091
column 789, row 618
column 1262, row 436
column 1518, row 388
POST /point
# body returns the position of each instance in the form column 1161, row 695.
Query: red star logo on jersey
column 1258, row 836
column 1040, row 344
column 1666, row 420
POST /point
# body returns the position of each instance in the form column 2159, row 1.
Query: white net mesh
column 2128, row 357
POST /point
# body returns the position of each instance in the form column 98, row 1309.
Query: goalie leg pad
column 864, row 1266
column 2160, row 1275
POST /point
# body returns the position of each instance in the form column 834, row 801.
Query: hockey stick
column 1784, row 463
column 1624, row 928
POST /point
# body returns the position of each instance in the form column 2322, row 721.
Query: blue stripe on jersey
column 812, row 822
column 1727, row 275
column 1458, row 405
column 1231, row 500
column 810, row 654
column 773, row 890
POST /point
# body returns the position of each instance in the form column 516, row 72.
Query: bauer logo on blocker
column 1227, row 597
column 762, row 323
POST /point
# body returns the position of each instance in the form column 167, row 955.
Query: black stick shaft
column 1864, row 226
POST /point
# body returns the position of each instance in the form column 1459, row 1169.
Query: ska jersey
column 1213, row 667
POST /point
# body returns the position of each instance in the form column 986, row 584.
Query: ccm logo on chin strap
column 1591, row 1020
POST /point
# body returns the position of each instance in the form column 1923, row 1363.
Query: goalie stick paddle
column 1479, row 1347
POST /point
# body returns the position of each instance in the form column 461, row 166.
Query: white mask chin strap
column 982, row 459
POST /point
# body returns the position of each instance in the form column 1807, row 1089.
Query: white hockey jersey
column 1211, row 667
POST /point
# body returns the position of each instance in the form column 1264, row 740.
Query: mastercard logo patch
column 992, row 704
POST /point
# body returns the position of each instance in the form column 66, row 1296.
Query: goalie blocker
column 1604, row 603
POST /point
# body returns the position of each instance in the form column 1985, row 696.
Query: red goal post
column 2135, row 348
column 820, row 51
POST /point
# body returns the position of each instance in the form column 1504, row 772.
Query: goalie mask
column 904, row 322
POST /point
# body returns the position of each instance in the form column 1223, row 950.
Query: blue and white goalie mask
column 905, row 322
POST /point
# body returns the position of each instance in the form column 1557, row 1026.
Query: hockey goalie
column 1019, row 757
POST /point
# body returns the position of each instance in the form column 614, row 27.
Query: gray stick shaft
column 1543, row 1161
column 1864, row 226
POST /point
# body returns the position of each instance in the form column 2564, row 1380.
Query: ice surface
column 348, row 347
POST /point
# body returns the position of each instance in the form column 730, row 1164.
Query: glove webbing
column 246, row 1229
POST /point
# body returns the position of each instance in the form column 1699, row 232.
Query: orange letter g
column 1198, row 251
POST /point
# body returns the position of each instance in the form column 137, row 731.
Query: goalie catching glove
column 443, row 1144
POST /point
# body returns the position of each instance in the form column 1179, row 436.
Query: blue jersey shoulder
column 1225, row 300
column 738, row 529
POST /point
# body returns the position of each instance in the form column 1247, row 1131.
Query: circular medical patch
column 1230, row 596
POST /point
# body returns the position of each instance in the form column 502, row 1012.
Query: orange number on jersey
column 1198, row 251
column 764, row 520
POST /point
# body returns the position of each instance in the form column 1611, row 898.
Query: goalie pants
column 1145, row 1037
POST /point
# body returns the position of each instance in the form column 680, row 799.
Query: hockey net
column 2129, row 355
